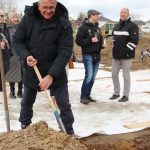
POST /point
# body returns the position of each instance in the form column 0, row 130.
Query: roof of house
column 102, row 18
column 147, row 21
column 139, row 22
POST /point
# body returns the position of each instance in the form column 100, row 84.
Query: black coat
column 84, row 38
column 4, row 29
column 7, row 51
column 50, row 42
column 126, row 37
column 15, row 72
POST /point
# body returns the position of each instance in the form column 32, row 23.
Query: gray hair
column 41, row 1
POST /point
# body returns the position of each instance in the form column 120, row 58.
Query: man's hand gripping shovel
column 51, row 103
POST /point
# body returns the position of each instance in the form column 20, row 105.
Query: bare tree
column 8, row 5
column 82, row 16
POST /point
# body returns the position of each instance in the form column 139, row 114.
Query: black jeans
column 62, row 99
column 12, row 86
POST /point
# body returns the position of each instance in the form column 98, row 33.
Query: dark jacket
column 15, row 72
column 126, row 37
column 4, row 29
column 12, row 29
column 7, row 51
column 48, row 41
column 84, row 38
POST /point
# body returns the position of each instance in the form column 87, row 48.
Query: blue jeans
column 91, row 67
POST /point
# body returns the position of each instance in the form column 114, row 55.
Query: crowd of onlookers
column 12, row 63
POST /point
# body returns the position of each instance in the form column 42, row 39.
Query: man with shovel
column 44, row 38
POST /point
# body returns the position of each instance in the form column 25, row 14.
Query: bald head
column 47, row 8
column 124, row 14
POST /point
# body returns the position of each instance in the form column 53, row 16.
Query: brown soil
column 131, row 141
column 39, row 137
column 106, row 54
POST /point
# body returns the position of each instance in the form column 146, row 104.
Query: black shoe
column 12, row 95
column 91, row 99
column 114, row 97
column 23, row 126
column 70, row 132
column 84, row 101
column 123, row 99
column 20, row 95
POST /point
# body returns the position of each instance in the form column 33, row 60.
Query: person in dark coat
column 124, row 41
column 5, row 44
column 89, row 37
column 44, row 38
column 15, row 72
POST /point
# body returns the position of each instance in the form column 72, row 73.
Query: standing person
column 5, row 44
column 44, row 38
column 90, row 39
column 124, row 41
column 15, row 72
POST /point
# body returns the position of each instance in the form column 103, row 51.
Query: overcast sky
column 109, row 8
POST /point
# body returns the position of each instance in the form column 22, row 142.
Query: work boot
column 114, row 97
column 12, row 94
column 70, row 132
column 123, row 99
column 91, row 99
column 84, row 101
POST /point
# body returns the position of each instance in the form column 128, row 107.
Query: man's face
column 95, row 18
column 47, row 8
column 124, row 14
column 1, row 18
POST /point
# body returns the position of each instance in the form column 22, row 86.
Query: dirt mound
column 39, row 137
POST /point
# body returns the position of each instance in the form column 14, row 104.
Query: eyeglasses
column 2, row 16
column 46, row 8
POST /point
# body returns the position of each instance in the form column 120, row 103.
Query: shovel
column 51, row 103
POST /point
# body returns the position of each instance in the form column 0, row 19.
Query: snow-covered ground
column 104, row 116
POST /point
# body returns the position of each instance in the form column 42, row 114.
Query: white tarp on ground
column 104, row 116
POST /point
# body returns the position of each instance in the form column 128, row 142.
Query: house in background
column 146, row 27
column 148, row 23
column 106, row 25
column 140, row 24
